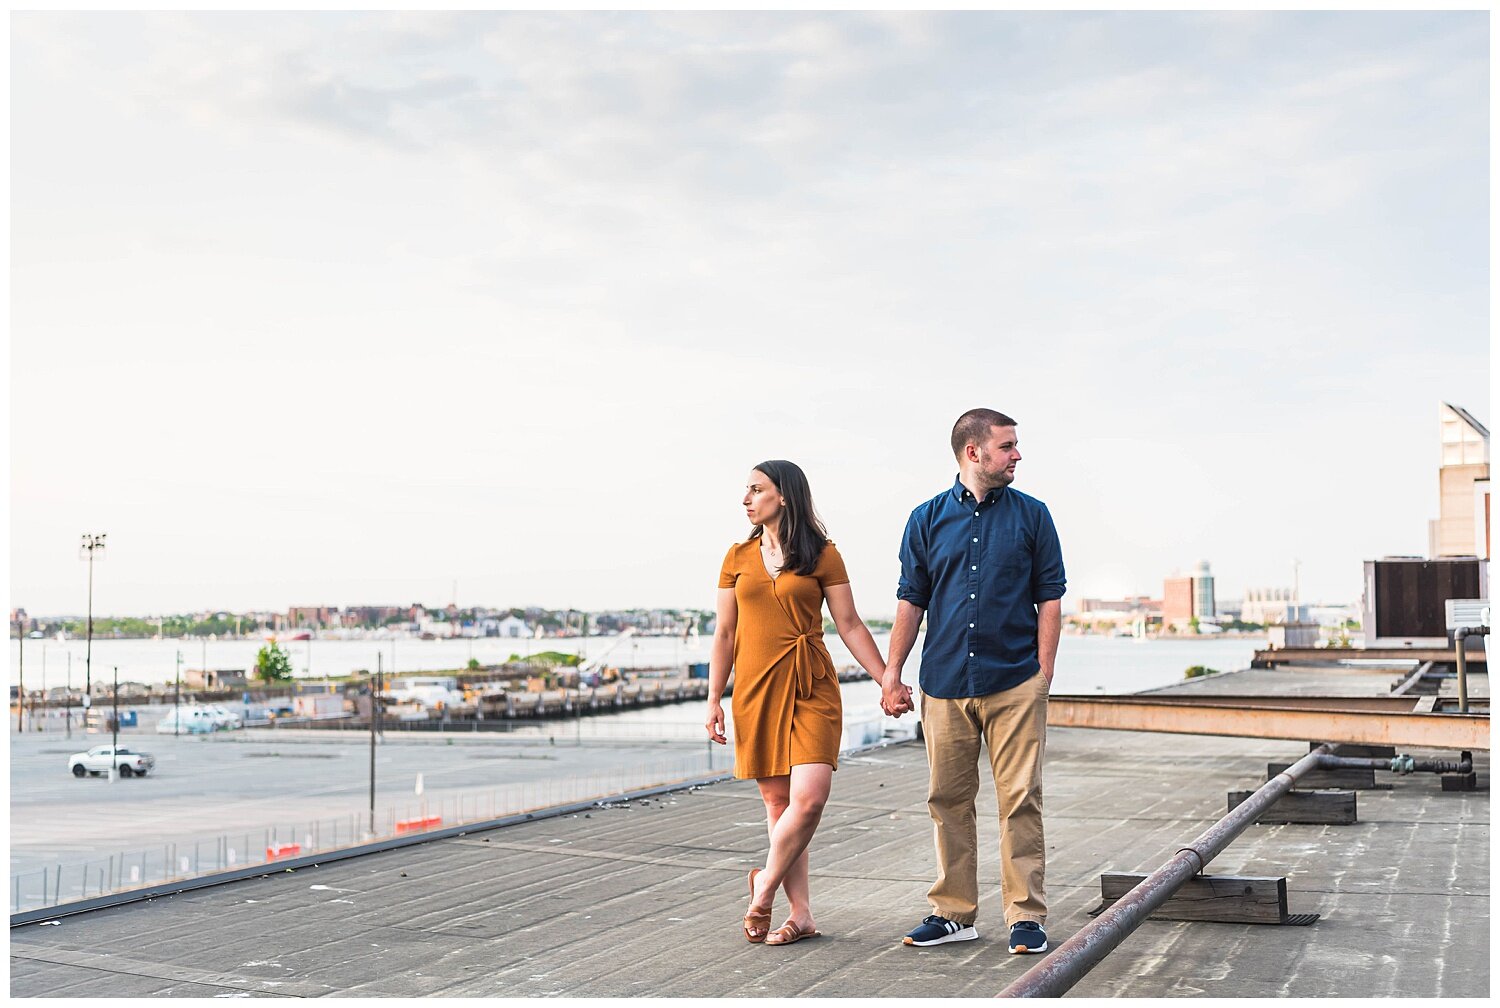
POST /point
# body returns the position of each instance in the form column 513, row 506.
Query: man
column 983, row 561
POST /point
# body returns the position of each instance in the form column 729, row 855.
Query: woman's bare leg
column 776, row 793
column 793, row 822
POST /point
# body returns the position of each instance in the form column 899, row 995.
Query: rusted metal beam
column 1370, row 727
column 1284, row 656
column 1388, row 703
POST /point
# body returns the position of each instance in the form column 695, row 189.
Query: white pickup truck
column 98, row 760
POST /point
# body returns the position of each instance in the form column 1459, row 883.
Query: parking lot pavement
column 210, row 785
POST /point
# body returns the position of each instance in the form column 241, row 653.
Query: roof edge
column 1468, row 418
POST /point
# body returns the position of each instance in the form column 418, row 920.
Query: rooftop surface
column 646, row 899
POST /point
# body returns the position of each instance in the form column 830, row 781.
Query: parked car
column 223, row 716
column 193, row 720
column 99, row 759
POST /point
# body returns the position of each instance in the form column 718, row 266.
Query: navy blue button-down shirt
column 979, row 568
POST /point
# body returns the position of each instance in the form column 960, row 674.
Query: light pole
column 93, row 545
column 21, row 673
column 177, row 699
column 115, row 717
column 374, row 715
column 44, row 696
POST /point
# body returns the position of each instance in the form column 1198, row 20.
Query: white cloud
column 404, row 294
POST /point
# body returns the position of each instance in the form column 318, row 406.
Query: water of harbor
column 1089, row 664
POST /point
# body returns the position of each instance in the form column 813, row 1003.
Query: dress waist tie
column 812, row 662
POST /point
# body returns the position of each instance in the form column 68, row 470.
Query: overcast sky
column 344, row 309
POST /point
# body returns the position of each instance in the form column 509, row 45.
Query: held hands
column 715, row 723
column 895, row 696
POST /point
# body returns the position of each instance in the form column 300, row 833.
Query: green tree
column 546, row 658
column 214, row 625
column 273, row 664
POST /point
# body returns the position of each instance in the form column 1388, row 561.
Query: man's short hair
column 974, row 426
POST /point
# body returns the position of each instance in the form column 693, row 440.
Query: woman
column 788, row 711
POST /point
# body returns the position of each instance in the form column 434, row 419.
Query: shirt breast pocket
column 1012, row 555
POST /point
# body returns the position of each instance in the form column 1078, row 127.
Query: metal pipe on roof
column 1463, row 671
column 1400, row 764
column 1057, row 973
column 1416, row 676
column 1463, row 662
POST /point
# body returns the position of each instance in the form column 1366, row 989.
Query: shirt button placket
column 973, row 675
column 973, row 555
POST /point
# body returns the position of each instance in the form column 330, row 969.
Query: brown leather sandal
column 756, row 925
column 789, row 933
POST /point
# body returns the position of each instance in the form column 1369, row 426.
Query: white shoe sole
column 965, row 934
column 1023, row 950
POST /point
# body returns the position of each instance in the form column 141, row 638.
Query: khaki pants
column 1013, row 726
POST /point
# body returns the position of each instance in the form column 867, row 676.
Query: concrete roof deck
column 646, row 900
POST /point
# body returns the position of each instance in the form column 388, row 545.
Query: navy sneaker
column 936, row 930
column 1027, row 936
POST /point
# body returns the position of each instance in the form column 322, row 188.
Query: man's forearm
column 903, row 634
column 1048, row 630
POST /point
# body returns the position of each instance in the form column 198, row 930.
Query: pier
column 492, row 703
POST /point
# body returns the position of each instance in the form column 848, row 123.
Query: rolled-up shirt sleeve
column 1048, row 580
column 915, row 585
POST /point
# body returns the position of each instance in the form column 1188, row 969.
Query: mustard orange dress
column 787, row 705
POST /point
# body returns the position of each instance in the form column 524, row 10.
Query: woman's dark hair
column 802, row 533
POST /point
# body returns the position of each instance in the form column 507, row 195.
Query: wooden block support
column 1319, row 808
column 1460, row 782
column 1225, row 899
column 1315, row 780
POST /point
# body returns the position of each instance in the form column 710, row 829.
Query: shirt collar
column 959, row 490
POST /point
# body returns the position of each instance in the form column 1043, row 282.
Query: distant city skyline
column 341, row 308
column 1253, row 591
